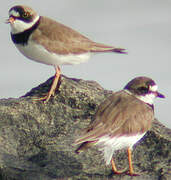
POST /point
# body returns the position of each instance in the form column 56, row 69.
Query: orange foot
column 45, row 98
column 53, row 87
column 115, row 169
column 131, row 171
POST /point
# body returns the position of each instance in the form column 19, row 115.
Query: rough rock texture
column 36, row 138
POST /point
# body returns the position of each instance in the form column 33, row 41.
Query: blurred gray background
column 142, row 27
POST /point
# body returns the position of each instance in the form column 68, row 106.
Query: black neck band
column 22, row 38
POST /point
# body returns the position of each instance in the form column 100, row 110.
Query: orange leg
column 53, row 87
column 131, row 171
column 114, row 168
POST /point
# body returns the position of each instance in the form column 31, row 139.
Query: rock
column 36, row 138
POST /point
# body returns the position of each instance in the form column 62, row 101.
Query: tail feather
column 81, row 148
column 84, row 146
column 97, row 47
column 119, row 50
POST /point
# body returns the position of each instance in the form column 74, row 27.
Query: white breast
column 39, row 54
column 109, row 145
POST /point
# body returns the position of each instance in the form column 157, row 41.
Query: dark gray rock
column 36, row 138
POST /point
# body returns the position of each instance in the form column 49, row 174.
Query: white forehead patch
column 153, row 88
column 14, row 13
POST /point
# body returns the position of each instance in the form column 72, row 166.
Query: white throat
column 148, row 98
column 19, row 26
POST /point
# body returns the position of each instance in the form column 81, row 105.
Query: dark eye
column 26, row 14
column 143, row 89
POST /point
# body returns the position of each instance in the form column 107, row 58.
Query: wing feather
column 121, row 113
column 58, row 38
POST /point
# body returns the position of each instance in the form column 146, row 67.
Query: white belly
column 109, row 145
column 39, row 54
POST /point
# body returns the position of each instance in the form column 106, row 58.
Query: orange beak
column 10, row 20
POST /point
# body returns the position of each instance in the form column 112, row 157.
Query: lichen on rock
column 36, row 138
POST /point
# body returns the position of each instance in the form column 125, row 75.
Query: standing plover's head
column 22, row 18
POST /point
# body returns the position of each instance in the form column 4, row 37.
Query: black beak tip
column 160, row 95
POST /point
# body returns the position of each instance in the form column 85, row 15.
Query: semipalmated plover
column 46, row 41
column 121, row 120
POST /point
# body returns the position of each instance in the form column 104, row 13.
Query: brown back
column 58, row 38
column 119, row 114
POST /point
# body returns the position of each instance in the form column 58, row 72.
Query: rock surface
column 36, row 138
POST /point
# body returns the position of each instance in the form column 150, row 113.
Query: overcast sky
column 142, row 27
